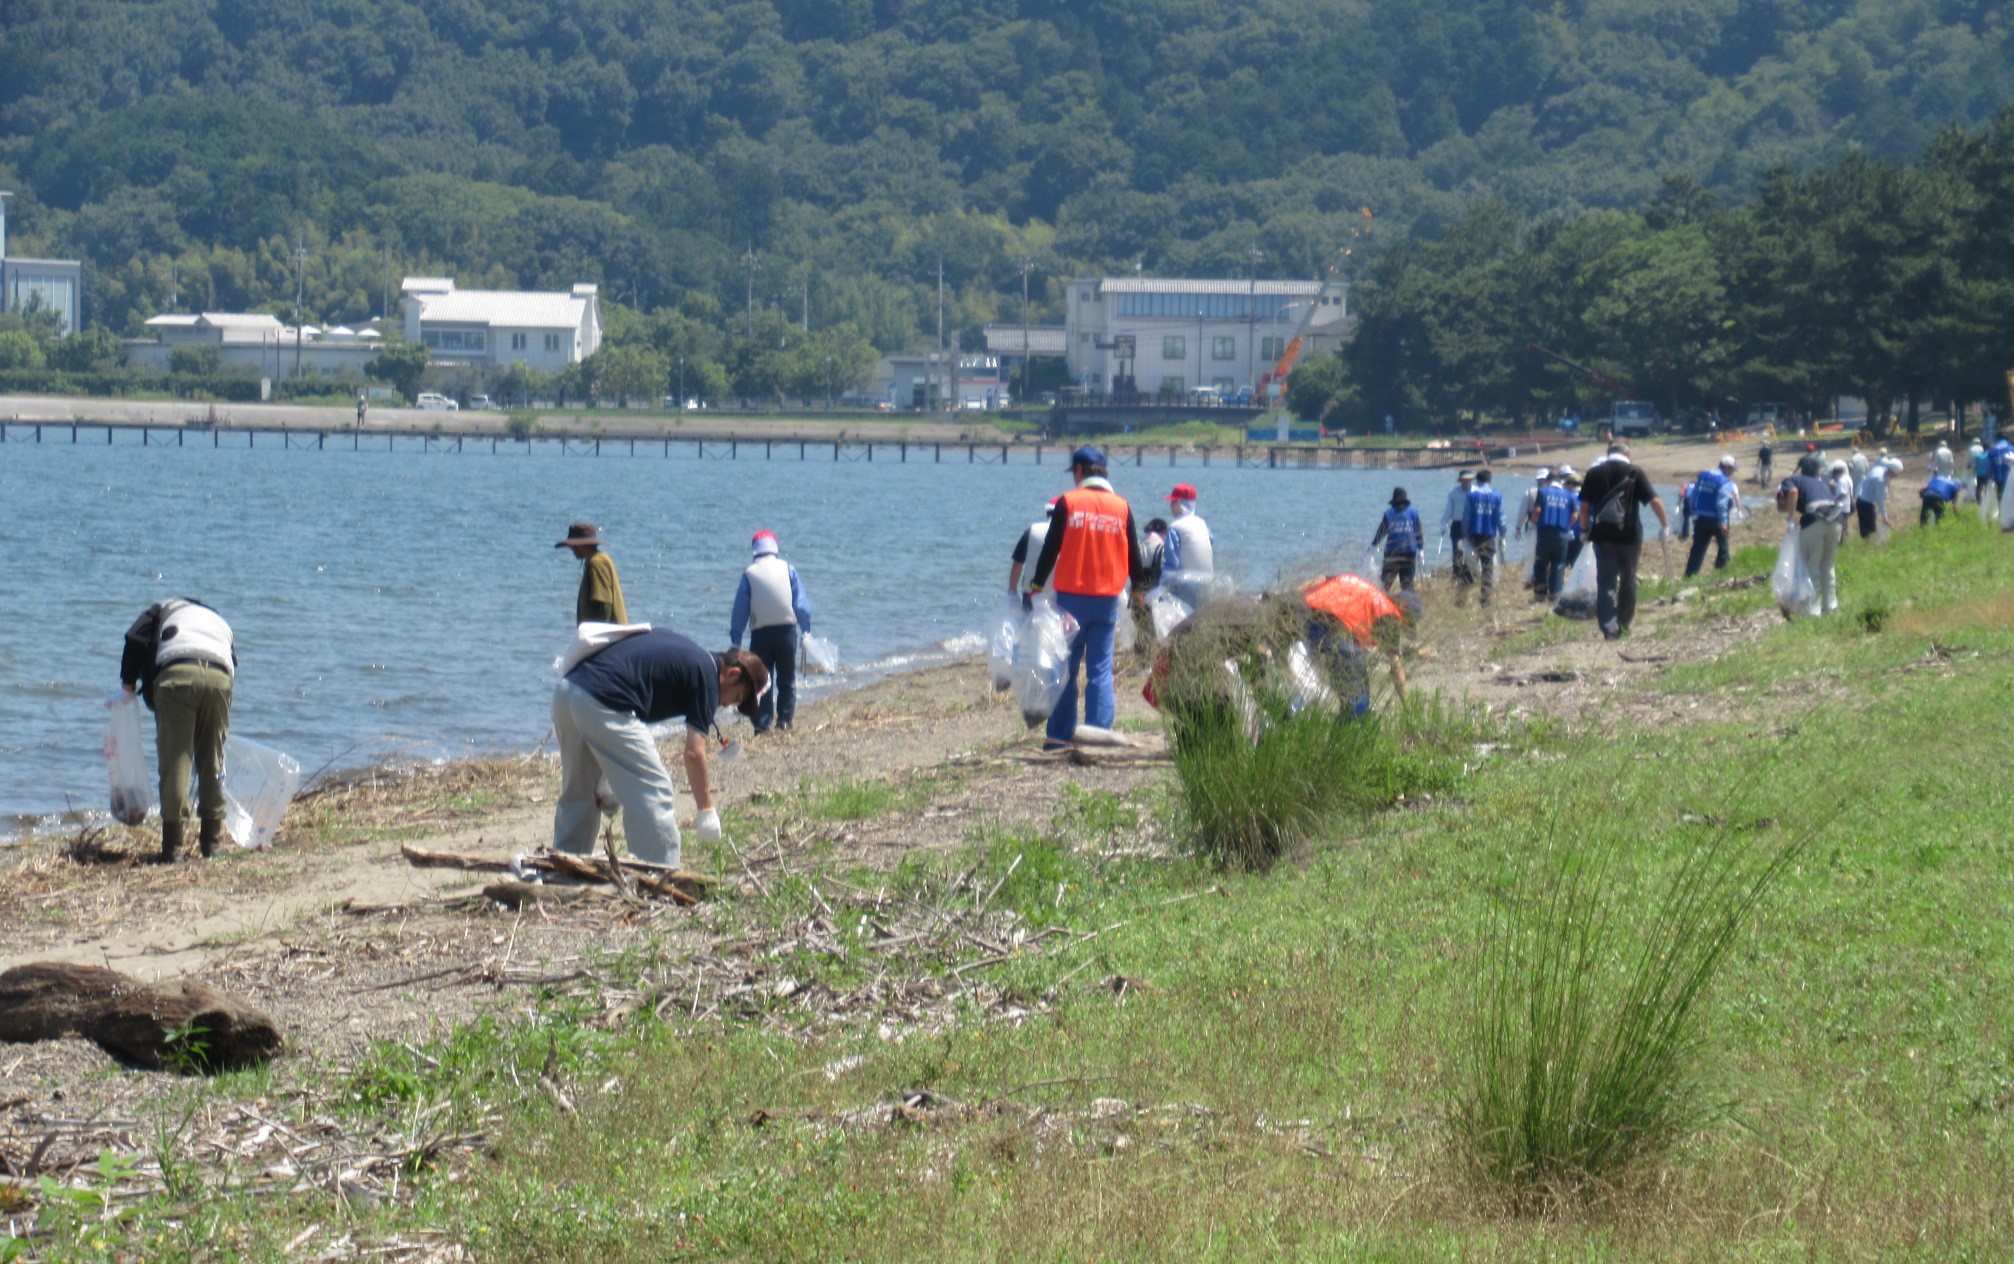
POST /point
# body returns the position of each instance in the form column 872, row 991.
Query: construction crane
column 1603, row 380
column 1274, row 382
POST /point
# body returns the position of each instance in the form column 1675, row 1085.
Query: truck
column 1632, row 419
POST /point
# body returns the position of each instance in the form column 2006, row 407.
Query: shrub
column 1580, row 1058
column 521, row 423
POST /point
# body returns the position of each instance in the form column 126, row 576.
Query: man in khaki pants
column 179, row 656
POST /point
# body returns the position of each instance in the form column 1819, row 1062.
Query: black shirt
column 1810, row 491
column 654, row 676
column 1606, row 478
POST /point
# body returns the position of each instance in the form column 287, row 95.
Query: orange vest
column 1094, row 560
column 1353, row 602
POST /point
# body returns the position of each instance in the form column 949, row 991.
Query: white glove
column 708, row 826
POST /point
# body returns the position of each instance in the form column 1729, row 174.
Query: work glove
column 1028, row 602
column 708, row 826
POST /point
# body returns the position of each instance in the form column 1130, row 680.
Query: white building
column 927, row 381
column 545, row 330
column 1173, row 336
column 259, row 342
column 52, row 285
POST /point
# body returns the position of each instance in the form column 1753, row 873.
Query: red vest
column 1352, row 602
column 1095, row 559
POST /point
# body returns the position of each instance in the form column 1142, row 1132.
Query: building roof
column 173, row 321
column 1043, row 340
column 240, row 320
column 508, row 309
column 1168, row 285
column 426, row 285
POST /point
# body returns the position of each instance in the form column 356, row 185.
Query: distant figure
column 1483, row 524
column 1712, row 501
column 602, row 710
column 2000, row 460
column 1982, row 471
column 1942, row 461
column 1839, row 476
column 1153, row 550
column 1810, row 498
column 600, row 596
column 1029, row 546
column 1763, row 467
column 362, row 406
column 1529, row 502
column 1189, row 553
column 1870, row 504
column 1609, row 500
column 772, row 605
column 180, row 657
column 1092, row 551
column 1451, row 526
column 1939, row 494
column 1400, row 530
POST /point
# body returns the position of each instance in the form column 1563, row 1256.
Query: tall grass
column 1260, row 765
column 1582, row 1056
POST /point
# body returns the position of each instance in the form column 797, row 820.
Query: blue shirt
column 1708, row 498
column 1401, row 530
column 1484, row 516
column 1942, row 488
column 1557, row 507
column 2002, row 457
column 654, row 676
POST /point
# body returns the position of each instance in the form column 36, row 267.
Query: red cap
column 1183, row 491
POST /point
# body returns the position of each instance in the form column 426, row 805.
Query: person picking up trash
column 1483, row 524
column 1454, row 524
column 600, row 597
column 1188, row 552
column 1609, row 499
column 1939, row 494
column 771, row 603
column 616, row 683
column 1029, row 547
column 181, row 658
column 1712, row 500
column 1400, row 530
column 1091, row 553
column 1809, row 497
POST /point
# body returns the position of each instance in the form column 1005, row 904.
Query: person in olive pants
column 192, row 721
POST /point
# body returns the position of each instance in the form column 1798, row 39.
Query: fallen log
column 678, row 884
column 182, row 1025
column 420, row 858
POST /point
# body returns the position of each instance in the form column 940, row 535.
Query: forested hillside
column 180, row 146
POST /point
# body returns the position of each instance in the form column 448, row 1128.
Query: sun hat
column 1544, row 473
column 763, row 544
column 1399, row 497
column 579, row 533
column 1727, row 461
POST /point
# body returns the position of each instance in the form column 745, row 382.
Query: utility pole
column 807, row 304
column 300, row 284
column 749, row 259
column 938, row 377
column 1252, row 258
column 1025, row 263
column 174, row 287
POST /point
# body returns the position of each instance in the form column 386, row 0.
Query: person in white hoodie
column 181, row 657
column 1189, row 553
column 771, row 604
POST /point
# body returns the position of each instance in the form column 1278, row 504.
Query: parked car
column 438, row 403
column 481, row 401
column 1782, row 416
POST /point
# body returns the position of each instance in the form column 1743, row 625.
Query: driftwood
column 674, row 884
column 184, row 1025
column 514, row 894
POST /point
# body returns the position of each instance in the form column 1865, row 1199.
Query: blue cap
column 1088, row 455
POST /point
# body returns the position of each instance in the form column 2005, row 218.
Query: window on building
column 1223, row 384
column 552, row 342
column 454, row 340
column 1175, row 347
column 1223, row 348
column 519, row 341
column 1171, row 386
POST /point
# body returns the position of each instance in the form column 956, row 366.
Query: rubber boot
column 171, row 840
column 212, row 833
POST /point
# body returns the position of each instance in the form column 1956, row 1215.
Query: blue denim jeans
column 777, row 648
column 1097, row 620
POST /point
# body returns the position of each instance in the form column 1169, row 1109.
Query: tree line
column 1890, row 281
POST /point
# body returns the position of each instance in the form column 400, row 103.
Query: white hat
column 1543, row 474
column 1727, row 461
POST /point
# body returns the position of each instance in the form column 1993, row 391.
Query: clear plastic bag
column 2006, row 511
column 1040, row 660
column 259, row 785
column 1000, row 646
column 1125, row 637
column 820, row 655
column 1371, row 566
column 1166, row 610
column 1576, row 594
column 1791, row 581
column 126, row 760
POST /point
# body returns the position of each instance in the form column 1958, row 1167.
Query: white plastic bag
column 1040, row 660
column 1000, row 646
column 1308, row 689
column 1166, row 610
column 820, row 655
column 2006, row 512
column 259, row 784
column 126, row 760
column 1791, row 582
column 1577, row 592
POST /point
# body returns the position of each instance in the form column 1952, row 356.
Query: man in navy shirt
column 602, row 711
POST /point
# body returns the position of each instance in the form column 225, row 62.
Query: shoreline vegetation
column 949, row 998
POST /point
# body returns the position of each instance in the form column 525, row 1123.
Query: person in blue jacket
column 1939, row 494
column 1483, row 524
column 771, row 603
column 1553, row 514
column 1401, row 532
column 2000, row 459
column 1711, row 500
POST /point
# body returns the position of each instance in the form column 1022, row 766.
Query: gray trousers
column 595, row 742
column 1819, row 543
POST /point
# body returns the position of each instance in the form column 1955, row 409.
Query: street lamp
column 681, row 384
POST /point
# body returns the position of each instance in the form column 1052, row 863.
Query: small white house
column 546, row 330
column 259, row 342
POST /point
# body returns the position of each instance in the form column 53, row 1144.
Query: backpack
column 1614, row 509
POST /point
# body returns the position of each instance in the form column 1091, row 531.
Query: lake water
column 409, row 605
